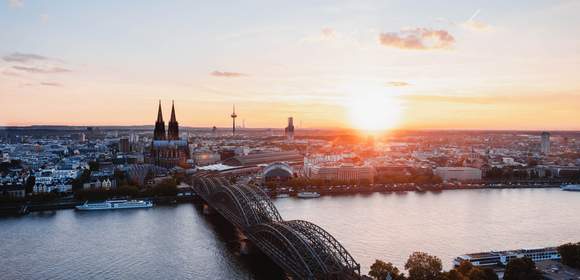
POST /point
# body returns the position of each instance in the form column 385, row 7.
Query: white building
column 203, row 158
column 344, row 172
column 545, row 145
column 458, row 173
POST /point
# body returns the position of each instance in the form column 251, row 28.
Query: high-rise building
column 545, row 144
column 124, row 146
column 289, row 130
column 133, row 137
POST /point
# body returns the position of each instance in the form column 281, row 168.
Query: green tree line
column 422, row 266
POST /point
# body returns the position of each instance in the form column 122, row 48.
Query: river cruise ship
column 308, row 195
column 501, row 258
column 115, row 204
column 571, row 187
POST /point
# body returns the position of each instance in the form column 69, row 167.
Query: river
column 180, row 242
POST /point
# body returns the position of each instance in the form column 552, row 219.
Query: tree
column 453, row 275
column 120, row 177
column 166, row 187
column 465, row 268
column 570, row 253
column 94, row 165
column 77, row 184
column 522, row 269
column 483, row 274
column 422, row 266
column 149, row 176
column 29, row 184
column 380, row 270
column 466, row 271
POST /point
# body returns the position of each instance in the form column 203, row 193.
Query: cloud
column 474, row 24
column 51, row 84
column 225, row 74
column 328, row 33
column 37, row 70
column 16, row 3
column 451, row 99
column 23, row 57
column 46, row 84
column 397, row 84
column 418, row 39
column 10, row 73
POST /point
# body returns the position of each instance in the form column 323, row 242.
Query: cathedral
column 167, row 149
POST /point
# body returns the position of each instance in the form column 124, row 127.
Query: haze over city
column 369, row 65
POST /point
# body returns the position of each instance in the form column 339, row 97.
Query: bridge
column 303, row 249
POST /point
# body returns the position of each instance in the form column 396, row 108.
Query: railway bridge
column 303, row 249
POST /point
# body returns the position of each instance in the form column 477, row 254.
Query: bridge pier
column 207, row 210
column 246, row 246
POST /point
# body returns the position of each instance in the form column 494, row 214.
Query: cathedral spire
column 173, row 131
column 159, row 132
column 173, row 119
column 159, row 113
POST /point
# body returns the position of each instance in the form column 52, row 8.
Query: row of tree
column 402, row 179
column 570, row 253
column 166, row 187
column 300, row 182
column 422, row 266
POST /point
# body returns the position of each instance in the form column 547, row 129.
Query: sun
column 373, row 112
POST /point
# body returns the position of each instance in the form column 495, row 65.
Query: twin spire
column 159, row 113
column 173, row 127
column 173, row 119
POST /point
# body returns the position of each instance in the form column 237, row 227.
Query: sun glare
column 373, row 112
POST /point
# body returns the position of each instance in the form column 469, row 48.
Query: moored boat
column 282, row 195
column 571, row 187
column 308, row 195
column 501, row 258
column 115, row 204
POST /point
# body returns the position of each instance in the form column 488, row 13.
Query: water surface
column 180, row 242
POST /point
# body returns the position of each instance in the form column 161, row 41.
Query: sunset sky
column 428, row 64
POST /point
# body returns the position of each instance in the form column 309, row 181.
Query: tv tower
column 234, row 116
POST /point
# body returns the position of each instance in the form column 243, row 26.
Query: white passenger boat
column 502, row 258
column 282, row 195
column 115, row 204
column 571, row 187
column 308, row 195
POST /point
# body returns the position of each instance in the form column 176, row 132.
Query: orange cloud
column 397, row 84
column 417, row 39
column 451, row 99
column 227, row 74
column 474, row 24
column 328, row 32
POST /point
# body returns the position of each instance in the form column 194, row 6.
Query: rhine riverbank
column 186, row 195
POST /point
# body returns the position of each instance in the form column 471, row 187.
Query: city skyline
column 496, row 65
column 265, row 140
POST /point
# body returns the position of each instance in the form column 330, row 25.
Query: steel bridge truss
column 301, row 248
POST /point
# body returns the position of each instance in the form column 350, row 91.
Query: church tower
column 159, row 132
column 173, row 131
